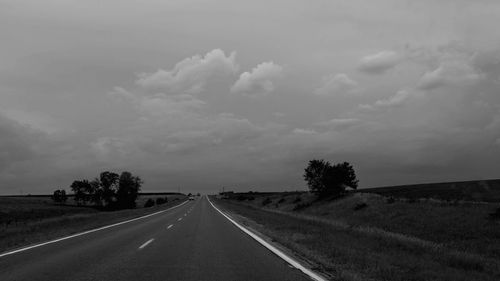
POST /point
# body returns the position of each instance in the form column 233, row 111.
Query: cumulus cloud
column 449, row 72
column 396, row 100
column 162, row 105
column 334, row 84
column 171, row 124
column 259, row 81
column 191, row 74
column 157, row 105
column 379, row 63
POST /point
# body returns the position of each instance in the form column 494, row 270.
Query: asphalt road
column 191, row 242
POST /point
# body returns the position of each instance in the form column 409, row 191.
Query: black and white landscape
column 249, row 140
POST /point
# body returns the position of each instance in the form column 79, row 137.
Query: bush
column 59, row 196
column 160, row 201
column 360, row 206
column 281, row 200
column 297, row 200
column 390, row 200
column 267, row 201
column 250, row 198
column 149, row 203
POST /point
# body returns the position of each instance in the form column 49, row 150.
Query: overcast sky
column 210, row 93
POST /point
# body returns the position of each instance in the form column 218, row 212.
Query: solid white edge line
column 273, row 249
column 87, row 232
column 170, row 226
column 145, row 244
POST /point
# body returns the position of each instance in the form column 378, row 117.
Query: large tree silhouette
column 109, row 185
column 110, row 190
column 128, row 190
column 324, row 179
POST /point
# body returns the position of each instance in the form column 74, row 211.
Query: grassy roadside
column 361, row 252
column 45, row 222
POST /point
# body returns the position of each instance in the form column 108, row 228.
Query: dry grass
column 25, row 220
column 480, row 191
column 355, row 248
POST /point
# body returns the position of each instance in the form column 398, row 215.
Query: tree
column 96, row 192
column 110, row 189
column 315, row 175
column 63, row 197
column 344, row 174
column 109, row 184
column 81, row 189
column 56, row 196
column 59, row 196
column 149, row 203
column 324, row 179
column 128, row 190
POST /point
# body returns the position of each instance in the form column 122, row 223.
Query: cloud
column 162, row 105
column 17, row 142
column 379, row 63
column 157, row 105
column 122, row 94
column 173, row 125
column 191, row 74
column 334, row 84
column 396, row 100
column 109, row 147
column 299, row 131
column 259, row 81
column 340, row 123
column 449, row 72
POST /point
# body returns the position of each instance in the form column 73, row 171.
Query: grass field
column 482, row 191
column 371, row 237
column 28, row 220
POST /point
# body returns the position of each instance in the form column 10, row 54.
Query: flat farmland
column 477, row 191
column 25, row 220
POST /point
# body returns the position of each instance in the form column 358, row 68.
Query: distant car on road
column 191, row 198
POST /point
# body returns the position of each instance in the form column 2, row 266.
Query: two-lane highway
column 190, row 242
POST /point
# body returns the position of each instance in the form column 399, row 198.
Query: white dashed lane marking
column 145, row 244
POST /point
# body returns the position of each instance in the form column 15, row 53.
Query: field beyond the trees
column 477, row 191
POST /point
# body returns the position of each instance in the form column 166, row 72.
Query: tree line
column 110, row 190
